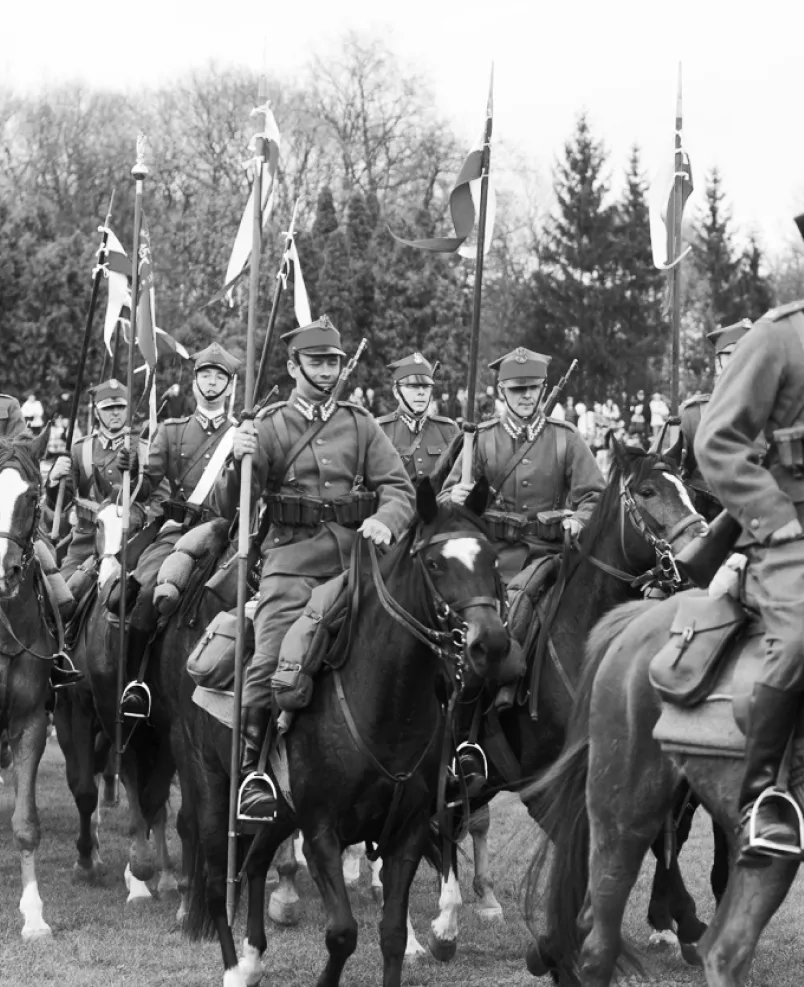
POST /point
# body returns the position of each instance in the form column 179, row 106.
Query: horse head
column 109, row 536
column 20, row 492
column 461, row 574
column 647, row 503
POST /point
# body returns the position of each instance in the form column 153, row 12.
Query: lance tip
column 140, row 169
column 490, row 103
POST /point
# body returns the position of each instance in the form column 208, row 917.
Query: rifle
column 552, row 401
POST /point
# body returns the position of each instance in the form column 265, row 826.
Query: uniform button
column 319, row 442
column 524, row 507
column 755, row 523
column 276, row 541
column 327, row 483
column 421, row 460
column 206, row 455
column 526, row 462
column 326, row 462
column 525, row 483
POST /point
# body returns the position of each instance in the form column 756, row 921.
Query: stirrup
column 132, row 689
column 470, row 748
column 263, row 778
column 769, row 847
column 69, row 671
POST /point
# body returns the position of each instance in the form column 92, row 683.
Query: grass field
column 99, row 941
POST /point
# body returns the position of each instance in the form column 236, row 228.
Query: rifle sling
column 515, row 460
column 207, row 444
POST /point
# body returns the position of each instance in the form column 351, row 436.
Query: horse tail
column 563, row 815
column 198, row 924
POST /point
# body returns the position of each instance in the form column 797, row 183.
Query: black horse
column 364, row 757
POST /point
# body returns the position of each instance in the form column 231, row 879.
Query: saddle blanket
column 220, row 705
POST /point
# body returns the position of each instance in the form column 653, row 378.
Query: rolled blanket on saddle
column 198, row 543
column 59, row 591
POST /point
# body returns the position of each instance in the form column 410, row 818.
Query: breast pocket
column 434, row 450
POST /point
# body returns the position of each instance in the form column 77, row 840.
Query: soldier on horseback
column 542, row 483
column 760, row 400
column 724, row 339
column 187, row 453
column 331, row 474
column 419, row 438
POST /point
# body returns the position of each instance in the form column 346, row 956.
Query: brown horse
column 28, row 640
column 643, row 516
column 613, row 807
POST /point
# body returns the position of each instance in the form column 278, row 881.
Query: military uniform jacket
column 325, row 468
column 690, row 414
column 11, row 421
column 179, row 453
column 762, row 389
column 419, row 450
column 556, row 472
column 95, row 473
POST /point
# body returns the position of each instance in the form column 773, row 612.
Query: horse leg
column 443, row 939
column 751, row 898
column 323, row 853
column 352, row 856
column 283, row 905
column 487, row 907
column 719, row 876
column 375, row 867
column 413, row 949
column 140, row 867
column 255, row 943
column 167, row 879
column 398, row 871
column 27, row 746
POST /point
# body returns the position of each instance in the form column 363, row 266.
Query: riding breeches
column 283, row 597
column 143, row 614
column 82, row 545
column 774, row 585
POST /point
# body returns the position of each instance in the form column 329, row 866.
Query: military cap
column 216, row 356
column 109, row 393
column 724, row 337
column 520, row 367
column 318, row 339
column 413, row 369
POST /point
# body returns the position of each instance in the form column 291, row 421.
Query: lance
column 82, row 362
column 244, row 521
column 139, row 173
column 469, row 425
column 678, row 181
column 281, row 281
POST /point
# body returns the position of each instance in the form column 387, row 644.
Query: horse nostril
column 13, row 572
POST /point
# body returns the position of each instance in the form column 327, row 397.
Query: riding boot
column 471, row 766
column 136, row 699
column 63, row 672
column 257, row 797
column 771, row 720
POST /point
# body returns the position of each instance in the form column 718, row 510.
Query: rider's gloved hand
column 573, row 525
column 245, row 440
column 460, row 492
column 60, row 471
column 127, row 460
column 378, row 532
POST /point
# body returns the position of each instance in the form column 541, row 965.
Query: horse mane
column 19, row 451
column 630, row 463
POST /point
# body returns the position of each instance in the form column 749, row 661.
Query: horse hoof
column 38, row 931
column 283, row 912
column 661, row 940
column 490, row 913
column 442, row 949
column 138, row 891
column 539, row 964
column 91, row 876
column 689, row 951
column 142, row 870
column 167, row 883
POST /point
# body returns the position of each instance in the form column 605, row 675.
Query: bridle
column 26, row 541
column 665, row 573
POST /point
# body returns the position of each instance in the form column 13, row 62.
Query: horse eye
column 433, row 566
column 647, row 492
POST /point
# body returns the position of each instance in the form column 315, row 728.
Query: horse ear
column 618, row 452
column 426, row 503
column 676, row 451
column 478, row 499
column 38, row 445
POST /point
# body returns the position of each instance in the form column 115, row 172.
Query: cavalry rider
column 539, row 489
column 761, row 396
column 419, row 438
column 12, row 422
column 185, row 452
column 90, row 470
column 724, row 339
column 345, row 479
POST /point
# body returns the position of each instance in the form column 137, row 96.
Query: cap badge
column 418, row 358
column 113, row 384
column 520, row 355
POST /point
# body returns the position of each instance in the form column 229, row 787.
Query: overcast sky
column 743, row 70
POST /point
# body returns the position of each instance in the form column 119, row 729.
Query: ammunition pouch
column 547, row 525
column 298, row 510
column 86, row 512
column 211, row 663
column 187, row 515
column 506, row 527
column 789, row 445
column 703, row 631
column 223, row 583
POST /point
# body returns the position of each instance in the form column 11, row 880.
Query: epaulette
column 562, row 423
column 443, row 419
column 8, row 397
column 270, row 409
column 695, row 399
column 176, row 421
column 775, row 314
column 354, row 407
column 489, row 423
column 387, row 419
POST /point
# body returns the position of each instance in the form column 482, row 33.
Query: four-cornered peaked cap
column 726, row 336
column 520, row 366
column 320, row 338
column 109, row 393
column 413, row 369
column 216, row 356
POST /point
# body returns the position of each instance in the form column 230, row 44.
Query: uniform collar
column 110, row 441
column 414, row 424
column 311, row 411
column 516, row 429
column 210, row 423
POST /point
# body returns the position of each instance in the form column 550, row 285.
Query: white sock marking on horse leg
column 465, row 550
column 234, row 978
column 413, row 948
column 445, row 926
column 250, row 964
column 351, row 865
column 137, row 890
column 298, row 849
column 34, row 925
column 376, row 873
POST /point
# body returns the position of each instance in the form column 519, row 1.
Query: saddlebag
column 307, row 643
column 703, row 631
column 211, row 663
